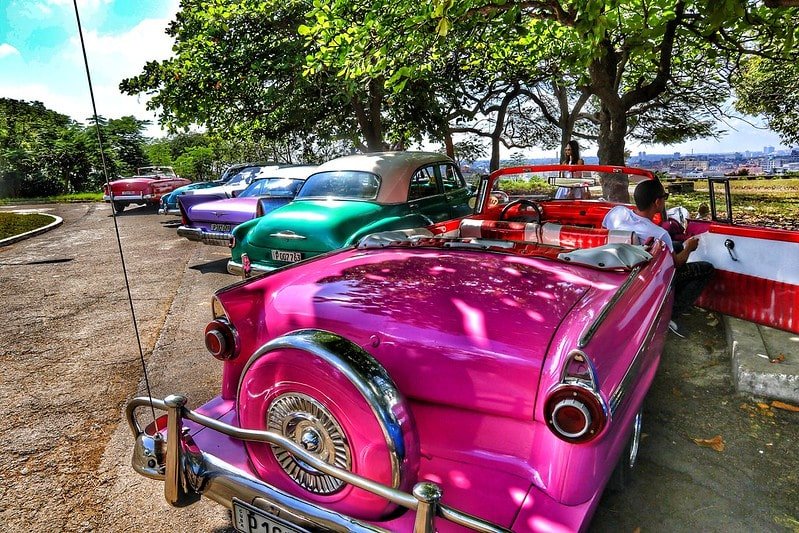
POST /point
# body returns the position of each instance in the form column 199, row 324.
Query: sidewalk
column 765, row 361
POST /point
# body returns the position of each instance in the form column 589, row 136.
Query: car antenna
column 113, row 213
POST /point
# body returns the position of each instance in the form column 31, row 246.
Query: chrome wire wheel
column 308, row 423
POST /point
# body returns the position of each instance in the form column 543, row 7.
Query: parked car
column 146, row 187
column 350, row 197
column 212, row 222
column 169, row 202
column 486, row 372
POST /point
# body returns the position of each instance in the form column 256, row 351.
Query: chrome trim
column 372, row 381
column 619, row 395
column 214, row 238
column 238, row 270
column 167, row 211
column 308, row 423
column 636, row 438
column 591, row 370
column 595, row 393
column 288, row 234
column 610, row 304
column 571, row 402
column 208, row 475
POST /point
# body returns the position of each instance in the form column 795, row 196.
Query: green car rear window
column 345, row 185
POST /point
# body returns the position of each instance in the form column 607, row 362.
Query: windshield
column 156, row 171
column 244, row 176
column 343, row 185
column 273, row 187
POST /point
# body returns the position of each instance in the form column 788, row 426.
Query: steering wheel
column 522, row 218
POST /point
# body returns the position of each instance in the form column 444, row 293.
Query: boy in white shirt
column 689, row 278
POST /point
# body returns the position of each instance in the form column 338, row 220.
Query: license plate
column 290, row 257
column 250, row 519
column 220, row 227
column 130, row 193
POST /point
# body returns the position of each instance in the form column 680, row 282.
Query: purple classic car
column 211, row 222
column 485, row 373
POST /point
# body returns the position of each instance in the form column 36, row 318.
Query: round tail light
column 221, row 340
column 575, row 414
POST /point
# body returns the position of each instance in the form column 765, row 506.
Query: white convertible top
column 608, row 256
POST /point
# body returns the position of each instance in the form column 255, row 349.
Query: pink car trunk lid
column 457, row 328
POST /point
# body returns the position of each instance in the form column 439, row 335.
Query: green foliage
column 197, row 162
column 526, row 186
column 240, row 71
column 39, row 149
column 771, row 88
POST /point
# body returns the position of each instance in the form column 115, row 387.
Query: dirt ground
column 70, row 361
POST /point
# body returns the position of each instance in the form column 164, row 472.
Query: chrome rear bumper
column 214, row 238
column 167, row 211
column 188, row 473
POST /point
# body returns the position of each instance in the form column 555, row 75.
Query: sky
column 41, row 59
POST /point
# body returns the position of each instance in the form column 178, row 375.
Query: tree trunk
column 494, row 164
column 612, row 130
column 449, row 145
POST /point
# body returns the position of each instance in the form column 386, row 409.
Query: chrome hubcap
column 305, row 421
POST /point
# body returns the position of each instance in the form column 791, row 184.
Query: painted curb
column 57, row 221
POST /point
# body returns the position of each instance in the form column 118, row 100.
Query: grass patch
column 762, row 202
column 60, row 199
column 14, row 223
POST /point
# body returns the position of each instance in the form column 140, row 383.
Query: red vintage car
column 145, row 188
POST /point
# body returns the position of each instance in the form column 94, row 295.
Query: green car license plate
column 282, row 255
column 221, row 227
column 250, row 519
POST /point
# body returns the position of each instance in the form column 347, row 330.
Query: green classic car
column 347, row 199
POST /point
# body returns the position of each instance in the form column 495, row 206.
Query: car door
column 456, row 193
column 425, row 195
column 756, row 277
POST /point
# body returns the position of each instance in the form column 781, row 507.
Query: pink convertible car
column 485, row 373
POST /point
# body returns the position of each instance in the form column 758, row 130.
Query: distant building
column 768, row 150
column 689, row 164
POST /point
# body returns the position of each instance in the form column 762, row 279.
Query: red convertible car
column 485, row 373
column 146, row 187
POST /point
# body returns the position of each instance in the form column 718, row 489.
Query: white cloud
column 7, row 50
column 60, row 81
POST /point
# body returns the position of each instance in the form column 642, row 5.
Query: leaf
column 716, row 443
column 784, row 406
column 779, row 359
column 442, row 28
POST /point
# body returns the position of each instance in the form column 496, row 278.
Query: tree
column 40, row 153
column 633, row 57
column 239, row 70
column 771, row 88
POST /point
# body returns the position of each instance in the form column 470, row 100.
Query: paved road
column 70, row 361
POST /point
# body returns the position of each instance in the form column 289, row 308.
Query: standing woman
column 571, row 154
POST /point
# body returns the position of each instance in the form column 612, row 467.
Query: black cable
column 113, row 213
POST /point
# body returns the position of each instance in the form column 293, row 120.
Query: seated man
column 689, row 278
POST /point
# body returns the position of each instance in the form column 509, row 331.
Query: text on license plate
column 282, row 255
column 220, row 227
column 253, row 520
column 130, row 193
